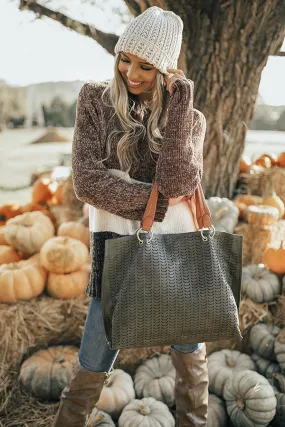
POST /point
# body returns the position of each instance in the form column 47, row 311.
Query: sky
column 38, row 50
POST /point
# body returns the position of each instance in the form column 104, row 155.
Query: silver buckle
column 138, row 235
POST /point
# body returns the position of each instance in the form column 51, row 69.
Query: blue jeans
column 95, row 354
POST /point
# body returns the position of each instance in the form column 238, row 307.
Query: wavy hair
column 130, row 112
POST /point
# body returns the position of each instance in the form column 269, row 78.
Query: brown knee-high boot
column 80, row 396
column 191, row 387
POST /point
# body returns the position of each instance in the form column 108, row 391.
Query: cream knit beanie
column 156, row 36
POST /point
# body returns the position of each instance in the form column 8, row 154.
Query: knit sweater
column 177, row 169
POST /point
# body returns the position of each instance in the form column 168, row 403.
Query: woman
column 138, row 127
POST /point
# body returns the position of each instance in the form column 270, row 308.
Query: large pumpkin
column 224, row 213
column 21, row 281
column 68, row 285
column 63, row 255
column 223, row 364
column 262, row 339
column 274, row 258
column 250, row 399
column 28, row 232
column 47, row 372
column 146, row 412
column 7, row 255
column 217, row 414
column 259, row 284
column 76, row 230
column 275, row 201
column 155, row 377
column 117, row 393
column 265, row 367
column 279, row 348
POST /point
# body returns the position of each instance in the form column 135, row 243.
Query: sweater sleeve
column 92, row 182
column 179, row 167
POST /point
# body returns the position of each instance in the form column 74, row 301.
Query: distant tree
column 280, row 125
column 59, row 113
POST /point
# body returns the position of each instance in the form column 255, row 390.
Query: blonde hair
column 127, row 108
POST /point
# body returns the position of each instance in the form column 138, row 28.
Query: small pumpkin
column 279, row 349
column 99, row 419
column 224, row 213
column 21, row 281
column 265, row 367
column 63, row 255
column 261, row 215
column 46, row 373
column 244, row 164
column 241, row 207
column 274, row 258
column 68, row 285
column 276, row 202
column 146, row 412
column 223, row 364
column 263, row 161
column 278, row 384
column 28, row 232
column 155, row 377
column 273, row 158
column 255, row 169
column 8, row 255
column 262, row 339
column 76, row 230
column 259, row 284
column 3, row 241
column 43, row 190
column 9, row 210
column 248, row 199
column 117, row 393
column 250, row 399
column 217, row 414
column 281, row 160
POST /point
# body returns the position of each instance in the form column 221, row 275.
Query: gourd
column 47, row 372
column 8, row 255
column 261, row 215
column 279, row 349
column 28, row 232
column 117, row 393
column 99, row 419
column 217, row 414
column 259, row 284
column 21, row 281
column 76, row 230
column 223, row 364
column 224, row 213
column 275, row 201
column 262, row 340
column 278, row 384
column 63, row 255
column 3, row 241
column 146, row 412
column 274, row 258
column 250, row 399
column 156, row 378
column 68, row 285
column 265, row 367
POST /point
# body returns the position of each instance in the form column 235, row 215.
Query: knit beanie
column 156, row 36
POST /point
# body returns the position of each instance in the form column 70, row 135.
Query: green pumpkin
column 259, row 284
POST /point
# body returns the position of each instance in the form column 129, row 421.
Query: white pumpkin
column 217, row 414
column 156, row 378
column 279, row 349
column 262, row 340
column 259, row 284
column 117, row 393
column 99, row 419
column 223, row 364
column 278, row 384
column 250, row 399
column 146, row 412
column 265, row 367
column 224, row 213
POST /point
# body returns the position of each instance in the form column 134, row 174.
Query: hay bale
column 264, row 182
column 51, row 135
column 246, row 231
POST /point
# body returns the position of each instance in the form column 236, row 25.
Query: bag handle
column 202, row 214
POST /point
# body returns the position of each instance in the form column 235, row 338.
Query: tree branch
column 136, row 7
column 280, row 53
column 107, row 41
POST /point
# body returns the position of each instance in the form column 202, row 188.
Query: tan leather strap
column 203, row 215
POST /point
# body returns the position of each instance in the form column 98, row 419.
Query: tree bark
column 226, row 44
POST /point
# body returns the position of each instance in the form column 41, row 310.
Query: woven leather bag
column 167, row 289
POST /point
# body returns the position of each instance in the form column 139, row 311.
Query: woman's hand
column 175, row 200
column 176, row 74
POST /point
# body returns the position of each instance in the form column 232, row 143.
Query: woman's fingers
column 176, row 74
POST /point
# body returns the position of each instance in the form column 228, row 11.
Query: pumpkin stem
column 144, row 409
column 240, row 403
column 230, row 362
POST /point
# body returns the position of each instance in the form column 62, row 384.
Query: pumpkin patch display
column 99, row 419
column 261, row 215
column 276, row 202
column 265, row 367
column 76, row 230
column 250, row 399
column 217, row 414
column 259, row 284
column 63, row 255
column 274, row 258
column 279, row 349
column 21, row 281
column 68, row 285
column 8, row 255
column 118, row 393
column 155, row 377
column 223, row 364
column 46, row 373
column 28, row 232
column 146, row 412
column 262, row 340
column 224, row 213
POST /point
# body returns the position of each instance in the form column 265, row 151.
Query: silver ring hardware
column 138, row 235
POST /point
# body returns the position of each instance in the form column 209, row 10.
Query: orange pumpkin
column 8, row 255
column 244, row 164
column 275, row 259
column 43, row 190
column 273, row 158
column 241, row 207
column 263, row 161
column 3, row 241
column 69, row 285
column 281, row 160
column 275, row 201
column 9, row 210
column 76, row 230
